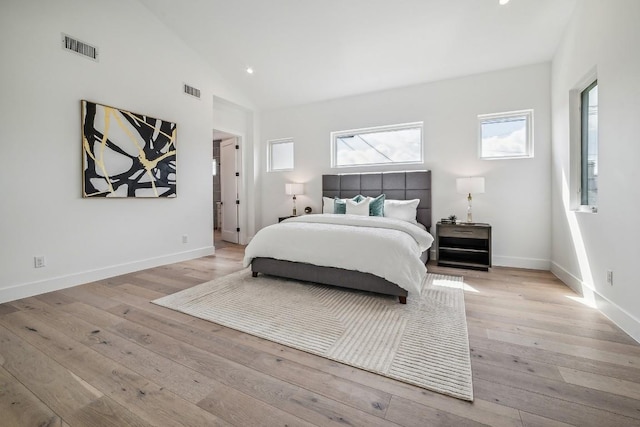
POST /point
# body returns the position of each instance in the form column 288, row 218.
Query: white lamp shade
column 292, row 189
column 472, row 185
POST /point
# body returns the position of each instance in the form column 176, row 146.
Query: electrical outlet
column 610, row 277
column 185, row 239
column 38, row 261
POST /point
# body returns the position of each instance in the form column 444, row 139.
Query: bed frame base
column 327, row 276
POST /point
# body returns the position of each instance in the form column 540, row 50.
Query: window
column 214, row 167
column 589, row 146
column 506, row 135
column 583, row 144
column 383, row 145
column 280, row 155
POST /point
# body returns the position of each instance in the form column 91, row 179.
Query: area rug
column 424, row 342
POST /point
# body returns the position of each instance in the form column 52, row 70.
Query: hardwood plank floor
column 101, row 354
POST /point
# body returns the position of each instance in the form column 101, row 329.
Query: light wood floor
column 101, row 354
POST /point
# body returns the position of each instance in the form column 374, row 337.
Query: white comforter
column 385, row 247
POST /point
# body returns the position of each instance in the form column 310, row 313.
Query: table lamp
column 468, row 186
column 291, row 189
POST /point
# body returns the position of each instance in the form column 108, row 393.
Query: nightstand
column 282, row 218
column 464, row 245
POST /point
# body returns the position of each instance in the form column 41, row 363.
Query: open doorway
column 226, row 184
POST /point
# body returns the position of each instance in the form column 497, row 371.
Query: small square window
column 280, row 155
column 506, row 135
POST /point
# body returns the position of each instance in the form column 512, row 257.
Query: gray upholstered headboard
column 395, row 185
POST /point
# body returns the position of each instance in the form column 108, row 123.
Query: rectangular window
column 280, row 155
column 589, row 145
column 506, row 135
column 382, row 145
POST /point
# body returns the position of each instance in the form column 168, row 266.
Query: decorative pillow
column 328, row 205
column 406, row 210
column 357, row 208
column 376, row 205
column 339, row 205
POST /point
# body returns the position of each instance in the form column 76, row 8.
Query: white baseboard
column 623, row 319
column 25, row 290
column 517, row 262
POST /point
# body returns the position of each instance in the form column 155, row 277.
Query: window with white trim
column 381, row 145
column 505, row 135
column 589, row 146
column 280, row 155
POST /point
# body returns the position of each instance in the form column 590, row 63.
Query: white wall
column 517, row 198
column 603, row 35
column 141, row 68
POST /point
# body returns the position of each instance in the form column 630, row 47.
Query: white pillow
column 406, row 210
column 328, row 205
column 358, row 208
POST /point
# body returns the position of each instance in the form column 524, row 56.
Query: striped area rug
column 424, row 342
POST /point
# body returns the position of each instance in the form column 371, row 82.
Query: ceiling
column 304, row 51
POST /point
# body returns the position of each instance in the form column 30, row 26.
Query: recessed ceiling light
column 503, row 2
column 250, row 70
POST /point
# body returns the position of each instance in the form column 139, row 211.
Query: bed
column 396, row 186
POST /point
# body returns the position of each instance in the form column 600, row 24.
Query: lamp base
column 294, row 205
column 469, row 214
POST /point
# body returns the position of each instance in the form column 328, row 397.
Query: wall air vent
column 81, row 48
column 190, row 90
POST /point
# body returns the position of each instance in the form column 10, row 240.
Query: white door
column 229, row 190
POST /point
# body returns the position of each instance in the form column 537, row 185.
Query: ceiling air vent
column 190, row 90
column 81, row 48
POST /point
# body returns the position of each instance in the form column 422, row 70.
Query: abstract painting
column 125, row 154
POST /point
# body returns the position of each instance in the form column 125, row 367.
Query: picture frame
column 126, row 154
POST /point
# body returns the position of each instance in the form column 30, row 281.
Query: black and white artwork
column 126, row 154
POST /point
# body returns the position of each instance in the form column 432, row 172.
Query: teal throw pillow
column 376, row 206
column 340, row 206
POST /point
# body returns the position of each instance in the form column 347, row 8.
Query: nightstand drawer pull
column 462, row 232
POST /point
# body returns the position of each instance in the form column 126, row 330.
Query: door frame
column 229, row 189
column 242, row 194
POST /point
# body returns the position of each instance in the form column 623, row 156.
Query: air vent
column 190, row 90
column 79, row 47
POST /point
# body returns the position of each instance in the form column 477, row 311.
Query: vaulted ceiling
column 310, row 50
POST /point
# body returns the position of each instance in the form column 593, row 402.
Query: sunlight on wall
column 586, row 279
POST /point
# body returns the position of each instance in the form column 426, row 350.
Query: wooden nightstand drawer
column 464, row 231
column 464, row 245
